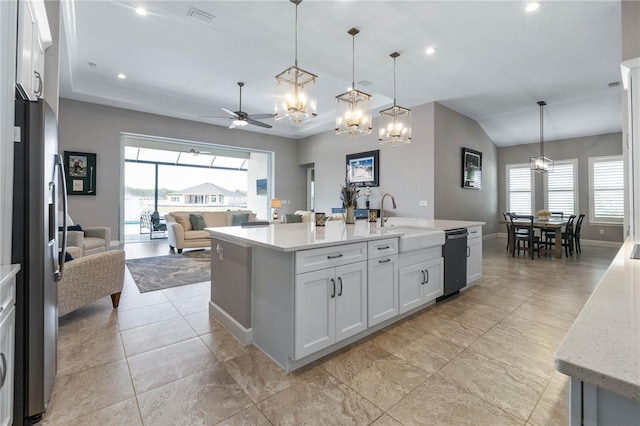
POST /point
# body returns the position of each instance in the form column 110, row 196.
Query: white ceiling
column 494, row 60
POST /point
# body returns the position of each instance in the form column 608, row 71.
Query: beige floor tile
column 566, row 304
column 438, row 402
column 134, row 299
column 169, row 363
column 206, row 397
column 553, row 408
column 154, row 336
column 192, row 305
column 89, row 390
column 318, row 398
column 139, row 317
column 124, row 413
column 203, row 323
column 386, row 420
column 186, row 291
column 544, row 314
column 224, row 345
column 377, row 375
column 461, row 332
column 483, row 315
column 525, row 354
column 95, row 316
column 252, row 416
column 87, row 349
column 534, row 331
column 512, row 389
column 257, row 375
column 418, row 348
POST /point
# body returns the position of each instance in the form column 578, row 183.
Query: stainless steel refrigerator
column 37, row 176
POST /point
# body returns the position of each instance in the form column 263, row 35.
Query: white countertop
column 602, row 347
column 440, row 224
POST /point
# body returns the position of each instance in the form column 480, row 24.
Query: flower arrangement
column 543, row 214
column 349, row 193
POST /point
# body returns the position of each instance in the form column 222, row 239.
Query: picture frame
column 80, row 172
column 471, row 169
column 261, row 187
column 363, row 168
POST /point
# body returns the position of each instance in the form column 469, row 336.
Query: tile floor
column 484, row 357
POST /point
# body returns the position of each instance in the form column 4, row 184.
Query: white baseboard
column 245, row 335
column 590, row 243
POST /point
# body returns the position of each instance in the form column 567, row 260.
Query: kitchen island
column 601, row 351
column 299, row 292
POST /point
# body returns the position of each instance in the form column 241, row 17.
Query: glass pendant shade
column 296, row 98
column 541, row 164
column 395, row 122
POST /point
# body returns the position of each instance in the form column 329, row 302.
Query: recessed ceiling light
column 121, row 76
column 532, row 6
column 431, row 50
column 141, row 11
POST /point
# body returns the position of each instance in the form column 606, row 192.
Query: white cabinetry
column 420, row 278
column 34, row 37
column 474, row 254
column 330, row 303
column 383, row 280
column 7, row 342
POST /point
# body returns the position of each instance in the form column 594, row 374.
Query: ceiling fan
column 241, row 118
column 195, row 152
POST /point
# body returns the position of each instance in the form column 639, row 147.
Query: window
column 606, row 188
column 519, row 189
column 562, row 187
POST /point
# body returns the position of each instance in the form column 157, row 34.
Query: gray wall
column 95, row 128
column 405, row 171
column 580, row 148
column 454, row 131
column 630, row 29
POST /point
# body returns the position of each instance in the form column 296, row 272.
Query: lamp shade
column 296, row 98
column 353, row 113
column 395, row 126
column 276, row 203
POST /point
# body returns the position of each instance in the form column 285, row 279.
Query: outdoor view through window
column 188, row 180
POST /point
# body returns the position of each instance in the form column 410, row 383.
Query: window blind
column 607, row 189
column 519, row 188
column 561, row 187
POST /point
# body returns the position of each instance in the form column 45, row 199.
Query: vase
column 351, row 215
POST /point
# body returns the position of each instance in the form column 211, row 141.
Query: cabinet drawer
column 329, row 257
column 7, row 296
column 474, row 232
column 385, row 247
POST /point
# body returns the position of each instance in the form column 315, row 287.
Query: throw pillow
column 239, row 219
column 197, row 222
column 184, row 221
column 292, row 218
column 71, row 228
column 67, row 257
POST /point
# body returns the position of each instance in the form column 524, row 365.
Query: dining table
column 551, row 224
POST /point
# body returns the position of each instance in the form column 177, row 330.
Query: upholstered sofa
column 181, row 232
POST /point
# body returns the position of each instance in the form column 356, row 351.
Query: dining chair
column 576, row 233
column 507, row 219
column 524, row 233
column 567, row 236
column 549, row 234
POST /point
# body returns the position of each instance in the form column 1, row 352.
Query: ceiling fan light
column 239, row 123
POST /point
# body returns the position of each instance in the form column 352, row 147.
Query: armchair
column 90, row 278
column 90, row 240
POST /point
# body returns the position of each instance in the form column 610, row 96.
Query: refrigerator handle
column 59, row 167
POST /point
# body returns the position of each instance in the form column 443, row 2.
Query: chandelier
column 541, row 164
column 395, row 122
column 296, row 90
column 353, row 112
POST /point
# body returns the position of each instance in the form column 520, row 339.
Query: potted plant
column 349, row 196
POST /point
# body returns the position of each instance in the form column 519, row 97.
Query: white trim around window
column 606, row 190
column 561, row 187
column 520, row 189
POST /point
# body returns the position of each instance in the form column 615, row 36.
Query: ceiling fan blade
column 260, row 116
column 212, row 117
column 258, row 123
column 228, row 111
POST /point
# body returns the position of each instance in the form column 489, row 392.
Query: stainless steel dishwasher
column 454, row 252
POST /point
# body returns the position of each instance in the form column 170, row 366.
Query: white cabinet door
column 315, row 311
column 410, row 287
column 433, row 281
column 351, row 300
column 383, row 289
column 7, row 338
column 474, row 259
column 27, row 34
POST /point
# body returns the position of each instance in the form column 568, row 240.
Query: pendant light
column 395, row 122
column 541, row 164
column 353, row 112
column 296, row 90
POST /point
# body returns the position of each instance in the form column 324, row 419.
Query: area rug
column 156, row 273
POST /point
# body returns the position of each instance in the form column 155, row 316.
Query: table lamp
column 276, row 203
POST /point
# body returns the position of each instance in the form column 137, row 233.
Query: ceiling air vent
column 614, row 84
column 200, row 16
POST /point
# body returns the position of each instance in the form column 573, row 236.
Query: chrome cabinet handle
column 333, row 283
column 38, row 92
column 340, row 281
column 335, row 256
column 427, row 272
column 384, row 261
column 468, row 251
column 424, row 278
column 3, row 376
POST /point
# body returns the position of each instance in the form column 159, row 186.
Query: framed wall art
column 80, row 173
column 471, row 169
column 363, row 169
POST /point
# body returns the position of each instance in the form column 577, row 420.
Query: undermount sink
column 415, row 238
